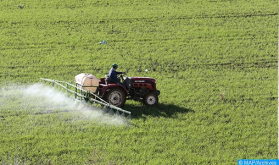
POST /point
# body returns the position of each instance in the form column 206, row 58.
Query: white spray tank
column 87, row 81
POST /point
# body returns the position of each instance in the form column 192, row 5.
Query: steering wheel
column 120, row 76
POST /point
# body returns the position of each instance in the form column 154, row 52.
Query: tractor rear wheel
column 116, row 97
column 150, row 99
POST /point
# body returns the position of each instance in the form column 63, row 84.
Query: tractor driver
column 113, row 74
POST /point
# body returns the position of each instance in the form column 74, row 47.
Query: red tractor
column 131, row 88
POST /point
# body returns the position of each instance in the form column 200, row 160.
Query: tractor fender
column 157, row 92
column 119, row 87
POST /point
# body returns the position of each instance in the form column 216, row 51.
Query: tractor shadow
column 161, row 110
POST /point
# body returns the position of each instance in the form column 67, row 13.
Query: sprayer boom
column 82, row 92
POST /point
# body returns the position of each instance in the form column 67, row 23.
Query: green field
column 197, row 50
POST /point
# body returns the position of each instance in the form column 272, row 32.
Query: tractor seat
column 107, row 80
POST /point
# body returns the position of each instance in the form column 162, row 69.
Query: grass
column 196, row 50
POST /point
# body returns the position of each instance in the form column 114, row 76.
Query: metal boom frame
column 85, row 94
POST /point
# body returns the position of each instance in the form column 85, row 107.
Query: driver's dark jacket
column 113, row 76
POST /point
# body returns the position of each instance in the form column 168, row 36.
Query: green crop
column 214, row 61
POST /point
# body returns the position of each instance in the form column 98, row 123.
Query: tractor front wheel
column 116, row 97
column 150, row 99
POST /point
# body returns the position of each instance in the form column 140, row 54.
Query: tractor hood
column 140, row 83
column 142, row 79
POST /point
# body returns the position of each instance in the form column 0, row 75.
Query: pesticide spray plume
column 39, row 98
